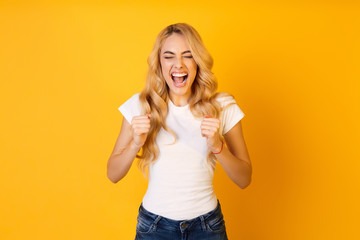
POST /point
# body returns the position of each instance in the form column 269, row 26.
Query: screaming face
column 178, row 68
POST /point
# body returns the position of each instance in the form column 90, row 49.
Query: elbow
column 244, row 181
column 110, row 175
column 113, row 175
column 244, row 184
column 111, row 178
column 116, row 171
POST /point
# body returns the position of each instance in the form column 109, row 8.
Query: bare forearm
column 120, row 163
column 237, row 169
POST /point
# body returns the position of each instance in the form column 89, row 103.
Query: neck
column 179, row 101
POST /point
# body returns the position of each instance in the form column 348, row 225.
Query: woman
column 182, row 126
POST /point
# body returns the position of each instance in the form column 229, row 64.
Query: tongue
column 178, row 79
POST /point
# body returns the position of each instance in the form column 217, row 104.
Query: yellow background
column 65, row 68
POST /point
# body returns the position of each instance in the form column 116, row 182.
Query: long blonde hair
column 155, row 96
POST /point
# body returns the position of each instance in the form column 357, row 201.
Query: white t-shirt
column 180, row 180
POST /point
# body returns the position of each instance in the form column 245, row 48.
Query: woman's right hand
column 140, row 127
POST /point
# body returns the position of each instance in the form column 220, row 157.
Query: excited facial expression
column 178, row 67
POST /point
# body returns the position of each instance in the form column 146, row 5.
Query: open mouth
column 179, row 79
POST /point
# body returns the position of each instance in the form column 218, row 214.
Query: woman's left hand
column 210, row 129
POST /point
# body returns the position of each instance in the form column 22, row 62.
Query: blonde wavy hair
column 155, row 96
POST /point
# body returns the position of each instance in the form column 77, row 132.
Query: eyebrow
column 169, row 52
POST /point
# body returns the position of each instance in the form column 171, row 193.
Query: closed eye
column 173, row 57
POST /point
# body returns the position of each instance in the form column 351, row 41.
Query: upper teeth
column 179, row 74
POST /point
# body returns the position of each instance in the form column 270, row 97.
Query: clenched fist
column 140, row 126
column 210, row 129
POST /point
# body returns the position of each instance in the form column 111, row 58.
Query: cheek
column 165, row 65
column 164, row 70
column 193, row 65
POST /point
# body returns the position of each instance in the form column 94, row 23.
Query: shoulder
column 230, row 111
column 131, row 107
column 225, row 99
column 135, row 97
column 133, row 100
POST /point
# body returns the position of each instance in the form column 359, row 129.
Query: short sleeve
column 231, row 113
column 131, row 108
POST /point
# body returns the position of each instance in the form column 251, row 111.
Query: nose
column 179, row 62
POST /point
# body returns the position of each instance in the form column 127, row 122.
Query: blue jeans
column 210, row 226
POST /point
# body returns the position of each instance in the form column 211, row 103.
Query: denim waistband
column 209, row 217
